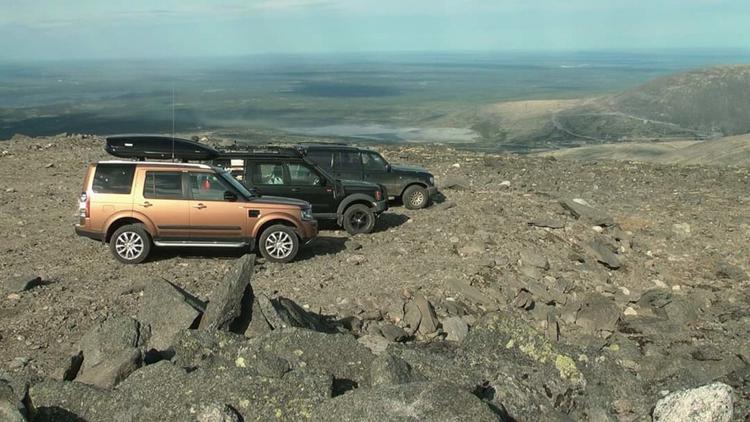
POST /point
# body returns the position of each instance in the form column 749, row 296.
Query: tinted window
column 163, row 185
column 208, row 187
column 302, row 175
column 349, row 160
column 113, row 178
column 268, row 174
column 322, row 158
column 372, row 161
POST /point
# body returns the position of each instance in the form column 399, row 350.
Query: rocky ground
column 536, row 289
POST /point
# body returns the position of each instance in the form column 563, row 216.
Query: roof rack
column 323, row 143
column 159, row 147
column 266, row 150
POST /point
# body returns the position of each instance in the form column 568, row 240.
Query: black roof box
column 158, row 147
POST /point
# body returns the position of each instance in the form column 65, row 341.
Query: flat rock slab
column 580, row 209
column 167, row 309
column 226, row 300
column 414, row 401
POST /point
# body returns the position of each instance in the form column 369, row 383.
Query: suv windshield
column 235, row 184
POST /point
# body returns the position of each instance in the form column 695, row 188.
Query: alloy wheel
column 129, row 245
column 279, row 244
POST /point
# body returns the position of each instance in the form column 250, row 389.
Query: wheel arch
column 422, row 184
column 122, row 220
column 273, row 220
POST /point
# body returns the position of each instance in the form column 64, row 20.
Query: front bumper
column 432, row 191
column 81, row 231
column 308, row 231
column 380, row 206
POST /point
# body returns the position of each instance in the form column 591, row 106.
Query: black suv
column 414, row 186
column 280, row 171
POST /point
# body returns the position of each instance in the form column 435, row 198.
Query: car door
column 162, row 199
column 375, row 170
column 214, row 217
column 306, row 183
column 268, row 178
column 347, row 165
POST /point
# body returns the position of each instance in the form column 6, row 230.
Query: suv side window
column 113, row 178
column 349, row 160
column 302, row 175
column 268, row 174
column 163, row 185
column 208, row 187
column 373, row 161
column 322, row 158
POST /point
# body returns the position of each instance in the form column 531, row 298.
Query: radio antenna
column 173, row 122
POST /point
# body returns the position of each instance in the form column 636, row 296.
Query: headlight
column 432, row 180
column 307, row 214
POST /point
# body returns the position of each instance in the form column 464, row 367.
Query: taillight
column 84, row 206
column 378, row 195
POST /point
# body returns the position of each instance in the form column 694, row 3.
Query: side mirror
column 230, row 196
column 319, row 181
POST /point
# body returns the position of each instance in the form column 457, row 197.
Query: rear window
column 163, row 185
column 113, row 178
column 323, row 159
column 349, row 160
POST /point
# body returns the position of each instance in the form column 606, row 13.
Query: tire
column 415, row 197
column 358, row 218
column 130, row 244
column 278, row 243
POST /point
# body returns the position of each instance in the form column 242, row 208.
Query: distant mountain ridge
column 698, row 104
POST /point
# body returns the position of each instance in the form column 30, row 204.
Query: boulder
column 163, row 391
column 428, row 323
column 214, row 412
column 389, row 369
column 258, row 324
column 167, row 309
column 603, row 253
column 376, row 344
column 110, row 353
column 10, row 407
column 393, row 333
column 580, row 209
column 111, row 371
column 412, row 317
column 455, row 328
column 228, row 297
column 294, row 315
column 9, row 412
column 414, row 401
column 712, row 403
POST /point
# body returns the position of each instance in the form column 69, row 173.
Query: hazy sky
column 52, row 29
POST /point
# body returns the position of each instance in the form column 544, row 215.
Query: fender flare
column 150, row 227
column 274, row 216
column 348, row 201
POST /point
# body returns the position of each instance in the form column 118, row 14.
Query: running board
column 186, row 243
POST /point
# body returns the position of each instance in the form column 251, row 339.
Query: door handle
column 199, row 206
column 295, row 189
column 146, row 204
